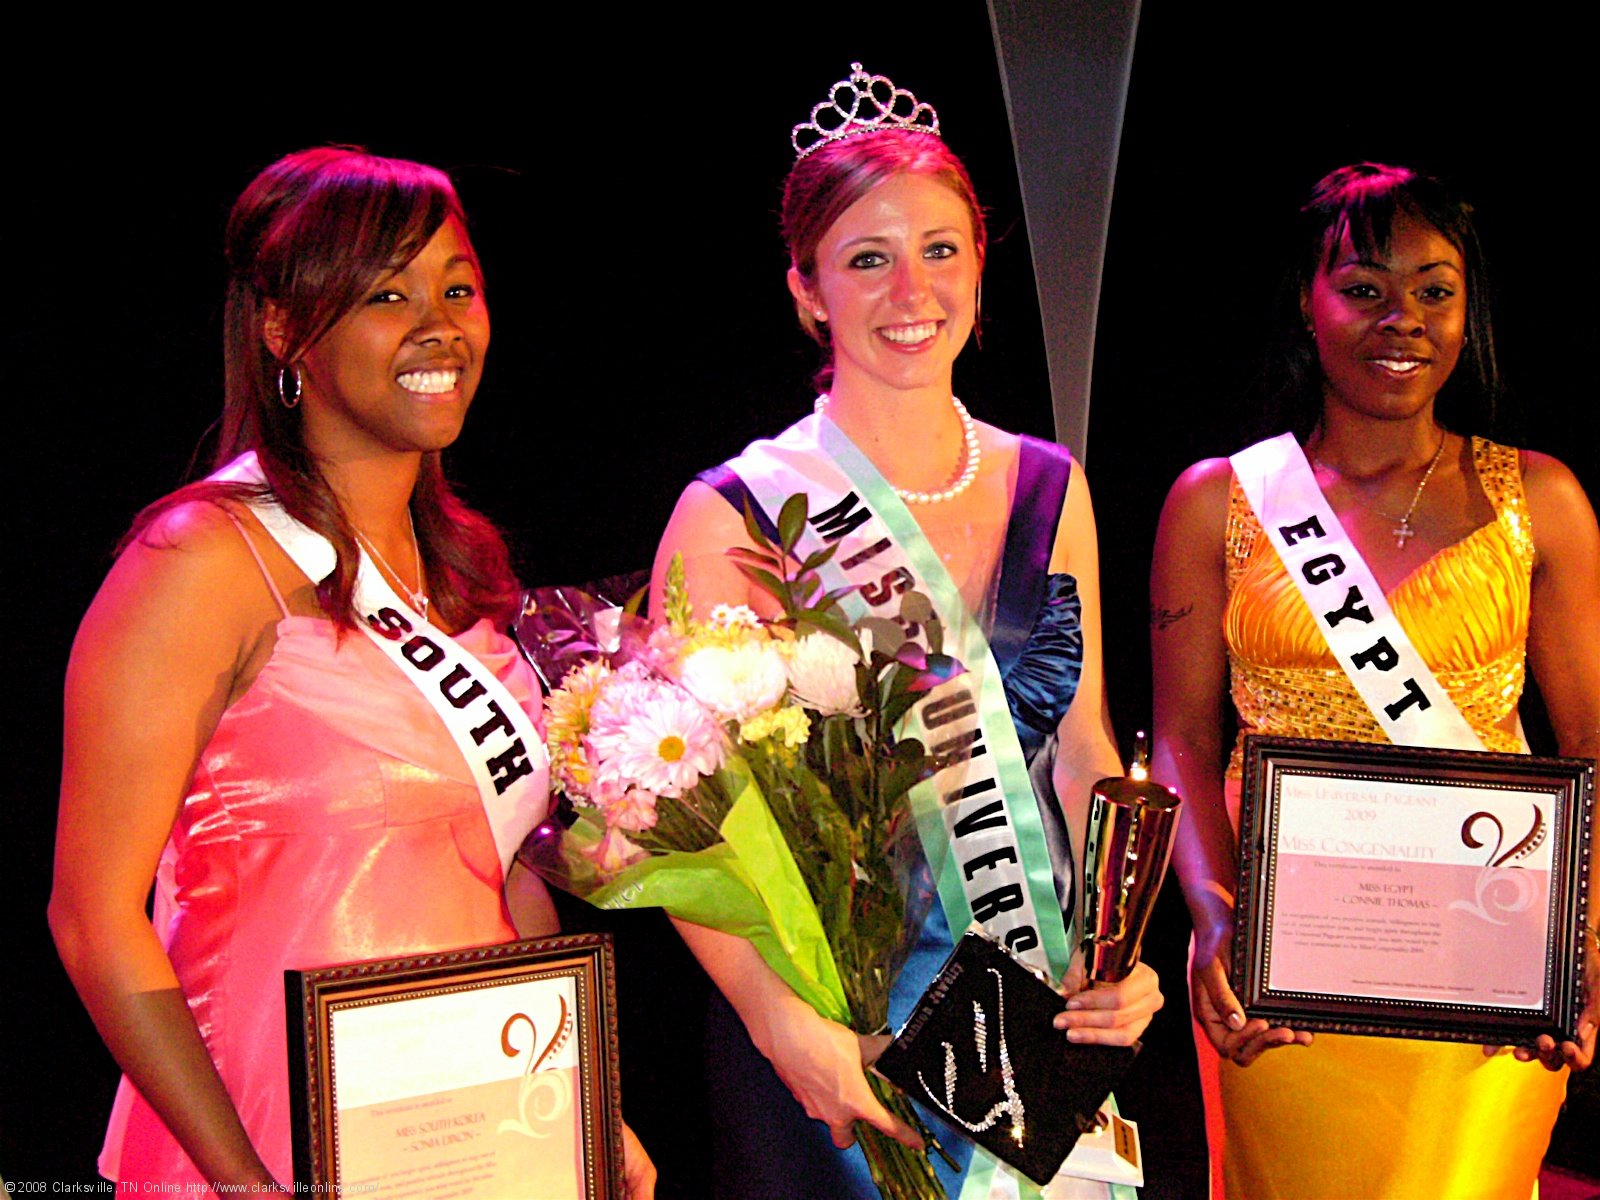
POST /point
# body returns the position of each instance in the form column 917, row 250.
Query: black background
column 622, row 176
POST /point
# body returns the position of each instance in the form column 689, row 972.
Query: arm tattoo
column 1165, row 618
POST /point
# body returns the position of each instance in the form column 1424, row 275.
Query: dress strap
column 1043, row 471
column 727, row 483
column 1500, row 475
column 260, row 562
column 1242, row 528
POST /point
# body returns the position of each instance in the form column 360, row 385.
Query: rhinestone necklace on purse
column 1011, row 1105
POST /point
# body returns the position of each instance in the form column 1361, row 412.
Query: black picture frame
column 1271, row 930
column 580, row 966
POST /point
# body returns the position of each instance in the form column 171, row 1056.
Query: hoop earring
column 977, row 317
column 290, row 399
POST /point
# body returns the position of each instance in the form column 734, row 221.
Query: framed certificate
column 1414, row 893
column 489, row 1073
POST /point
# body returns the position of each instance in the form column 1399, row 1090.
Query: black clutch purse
column 979, row 1049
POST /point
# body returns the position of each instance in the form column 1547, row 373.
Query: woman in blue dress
column 887, row 242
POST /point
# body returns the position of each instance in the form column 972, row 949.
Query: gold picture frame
column 489, row 1072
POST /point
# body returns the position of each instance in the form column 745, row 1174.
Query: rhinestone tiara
column 862, row 104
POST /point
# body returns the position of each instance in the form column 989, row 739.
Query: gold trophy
column 1132, row 820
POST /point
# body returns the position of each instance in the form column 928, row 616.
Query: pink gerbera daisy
column 654, row 736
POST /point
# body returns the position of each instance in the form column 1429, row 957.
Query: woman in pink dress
column 239, row 731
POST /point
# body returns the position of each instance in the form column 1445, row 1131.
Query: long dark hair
column 310, row 235
column 1363, row 201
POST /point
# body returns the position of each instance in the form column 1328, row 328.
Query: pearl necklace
column 971, row 457
column 419, row 598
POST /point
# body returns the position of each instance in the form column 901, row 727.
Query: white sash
column 1351, row 611
column 497, row 739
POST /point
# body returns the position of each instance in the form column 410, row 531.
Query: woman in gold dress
column 1489, row 557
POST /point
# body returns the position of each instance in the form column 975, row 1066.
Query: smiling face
column 397, row 372
column 1389, row 327
column 896, row 283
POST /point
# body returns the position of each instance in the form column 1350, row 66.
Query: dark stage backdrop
column 1231, row 118
column 1229, row 123
column 622, row 176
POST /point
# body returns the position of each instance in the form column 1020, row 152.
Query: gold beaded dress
column 1385, row 1118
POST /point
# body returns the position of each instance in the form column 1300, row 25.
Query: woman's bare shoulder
column 1193, row 526
column 703, row 520
column 1551, row 484
column 202, row 524
column 702, row 528
column 1204, row 483
column 1197, row 502
column 197, row 540
column 189, row 566
column 1001, row 440
column 1562, row 516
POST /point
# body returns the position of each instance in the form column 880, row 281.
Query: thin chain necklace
column 419, row 598
column 971, row 458
column 1404, row 531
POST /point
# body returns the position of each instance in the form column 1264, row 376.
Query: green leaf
column 830, row 623
column 897, row 698
column 792, row 521
column 902, row 775
column 887, row 636
column 766, row 581
column 918, row 609
column 897, row 680
column 817, row 557
column 753, row 527
column 908, row 750
column 756, row 557
column 866, row 685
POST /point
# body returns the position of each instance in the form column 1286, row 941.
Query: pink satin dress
column 331, row 818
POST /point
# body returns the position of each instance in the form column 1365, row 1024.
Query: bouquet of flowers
column 744, row 774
